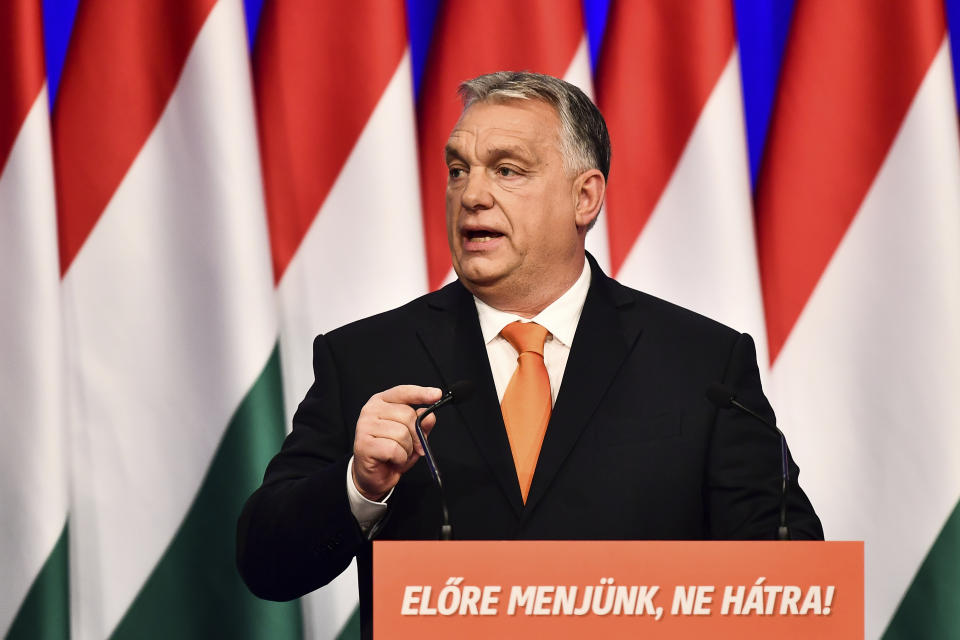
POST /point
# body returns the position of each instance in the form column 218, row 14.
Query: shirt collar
column 560, row 317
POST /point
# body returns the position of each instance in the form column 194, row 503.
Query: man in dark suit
column 625, row 446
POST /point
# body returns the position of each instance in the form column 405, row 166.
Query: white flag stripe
column 866, row 382
column 33, row 489
column 364, row 251
column 579, row 74
column 171, row 319
column 698, row 248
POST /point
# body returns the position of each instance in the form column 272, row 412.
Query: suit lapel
column 606, row 333
column 451, row 335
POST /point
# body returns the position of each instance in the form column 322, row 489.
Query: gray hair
column 584, row 140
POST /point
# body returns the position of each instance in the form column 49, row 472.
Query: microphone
column 455, row 393
column 724, row 397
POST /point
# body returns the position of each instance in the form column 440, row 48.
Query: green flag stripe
column 929, row 607
column 45, row 612
column 195, row 590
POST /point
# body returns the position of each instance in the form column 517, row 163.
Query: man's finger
column 402, row 413
column 394, row 431
column 411, row 394
column 386, row 450
column 427, row 425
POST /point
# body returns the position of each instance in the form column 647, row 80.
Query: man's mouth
column 481, row 235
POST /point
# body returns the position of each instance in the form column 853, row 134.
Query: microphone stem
column 446, row 531
column 783, row 531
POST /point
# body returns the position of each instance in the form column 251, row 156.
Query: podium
column 617, row 589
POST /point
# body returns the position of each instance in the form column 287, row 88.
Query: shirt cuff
column 367, row 512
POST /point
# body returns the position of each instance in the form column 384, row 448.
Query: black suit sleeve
column 744, row 471
column 296, row 532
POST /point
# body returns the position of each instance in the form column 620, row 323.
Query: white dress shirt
column 560, row 318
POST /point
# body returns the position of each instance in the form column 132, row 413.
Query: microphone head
column 461, row 390
column 720, row 394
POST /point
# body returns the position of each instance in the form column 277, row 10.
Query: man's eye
column 454, row 172
column 506, row 172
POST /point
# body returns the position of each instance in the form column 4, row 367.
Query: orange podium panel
column 617, row 589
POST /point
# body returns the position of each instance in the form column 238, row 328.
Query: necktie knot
column 525, row 336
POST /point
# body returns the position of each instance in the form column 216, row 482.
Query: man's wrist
column 366, row 512
column 363, row 492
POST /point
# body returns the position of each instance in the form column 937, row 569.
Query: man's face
column 511, row 204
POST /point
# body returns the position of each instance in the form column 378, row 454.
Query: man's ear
column 589, row 189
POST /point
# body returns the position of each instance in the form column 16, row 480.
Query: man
column 602, row 431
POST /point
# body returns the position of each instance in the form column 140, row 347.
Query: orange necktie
column 526, row 402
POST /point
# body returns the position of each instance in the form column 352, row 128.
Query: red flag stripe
column 312, row 113
column 850, row 72
column 472, row 38
column 21, row 67
column 122, row 65
column 659, row 64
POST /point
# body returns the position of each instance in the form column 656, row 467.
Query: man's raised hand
column 386, row 444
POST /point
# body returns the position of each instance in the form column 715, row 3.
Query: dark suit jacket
column 633, row 449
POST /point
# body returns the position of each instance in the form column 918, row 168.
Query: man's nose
column 476, row 193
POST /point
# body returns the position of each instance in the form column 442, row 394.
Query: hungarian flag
column 33, row 457
column 678, row 202
column 335, row 102
column 859, row 244
column 179, row 185
column 174, row 403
